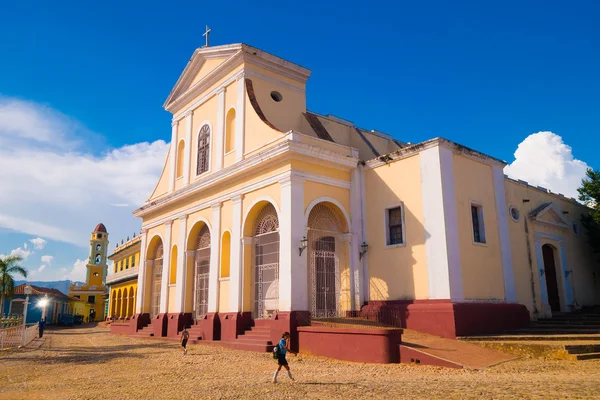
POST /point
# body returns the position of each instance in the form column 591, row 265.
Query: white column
column 166, row 266
column 220, row 133
column 181, row 267
column 237, row 263
column 173, row 156
column 440, row 222
column 239, row 118
column 188, row 147
column 566, row 279
column 293, row 273
column 215, row 253
column 546, row 311
column 510, row 293
column 365, row 277
column 356, row 240
column 141, row 285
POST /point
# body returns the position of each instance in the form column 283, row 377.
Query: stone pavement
column 87, row 362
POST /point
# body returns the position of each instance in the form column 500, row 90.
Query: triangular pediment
column 203, row 63
column 550, row 214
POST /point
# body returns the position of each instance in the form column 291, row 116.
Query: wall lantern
column 363, row 250
column 303, row 243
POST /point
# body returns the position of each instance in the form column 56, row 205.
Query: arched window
column 225, row 254
column 173, row 272
column 180, row 150
column 230, row 131
column 203, row 150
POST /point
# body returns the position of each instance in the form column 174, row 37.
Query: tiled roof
column 37, row 290
column 539, row 209
column 100, row 228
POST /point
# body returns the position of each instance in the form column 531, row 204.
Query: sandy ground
column 89, row 363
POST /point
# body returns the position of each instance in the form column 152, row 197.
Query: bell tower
column 97, row 267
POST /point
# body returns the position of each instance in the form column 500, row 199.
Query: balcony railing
column 121, row 275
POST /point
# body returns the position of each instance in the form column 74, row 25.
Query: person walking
column 185, row 335
column 41, row 326
column 282, row 348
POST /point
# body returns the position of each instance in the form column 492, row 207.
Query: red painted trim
column 358, row 345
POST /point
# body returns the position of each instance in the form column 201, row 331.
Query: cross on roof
column 207, row 34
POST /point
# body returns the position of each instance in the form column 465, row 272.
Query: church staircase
column 256, row 337
column 147, row 331
column 571, row 336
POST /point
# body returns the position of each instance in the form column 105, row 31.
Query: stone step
column 567, row 322
column 249, row 346
column 588, row 356
column 583, row 348
column 242, row 339
column 265, row 335
column 531, row 337
column 554, row 331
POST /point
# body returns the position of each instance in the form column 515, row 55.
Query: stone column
column 566, row 279
column 215, row 253
column 182, row 267
column 173, row 156
column 293, row 272
column 239, row 118
column 220, row 132
column 235, row 280
column 164, row 285
column 188, row 148
column 139, row 306
column 356, row 221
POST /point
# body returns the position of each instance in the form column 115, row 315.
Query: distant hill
column 63, row 286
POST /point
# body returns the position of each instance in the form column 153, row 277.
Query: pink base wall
column 447, row 319
column 359, row 345
column 159, row 325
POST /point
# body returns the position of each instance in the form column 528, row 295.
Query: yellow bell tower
column 97, row 267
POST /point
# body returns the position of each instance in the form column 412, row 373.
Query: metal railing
column 11, row 337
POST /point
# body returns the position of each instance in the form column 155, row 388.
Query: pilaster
column 235, row 280
column 166, row 266
column 356, row 272
column 510, row 293
column 215, row 253
column 173, row 156
column 240, row 110
column 139, row 304
column 182, row 267
column 293, row 273
column 546, row 311
column 441, row 226
column 220, row 133
column 188, row 148
column 566, row 279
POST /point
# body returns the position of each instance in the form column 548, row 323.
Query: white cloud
column 38, row 243
column 58, row 189
column 77, row 273
column 47, row 259
column 41, row 268
column 19, row 252
column 543, row 159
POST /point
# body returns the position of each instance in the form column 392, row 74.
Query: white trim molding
column 188, row 149
column 173, row 156
column 166, row 269
column 240, row 117
column 325, row 199
column 215, row 256
column 236, row 259
column 181, row 266
column 220, row 134
column 139, row 304
column 440, row 222
column 386, row 227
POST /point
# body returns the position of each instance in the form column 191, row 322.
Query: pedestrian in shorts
column 185, row 335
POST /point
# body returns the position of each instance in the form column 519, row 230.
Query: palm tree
column 9, row 265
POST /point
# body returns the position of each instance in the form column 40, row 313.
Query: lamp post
column 27, row 291
column 43, row 303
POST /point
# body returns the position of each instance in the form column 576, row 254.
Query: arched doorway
column 119, row 304
column 548, row 252
column 131, row 305
column 265, row 272
column 113, row 312
column 156, row 278
column 329, row 291
column 201, row 255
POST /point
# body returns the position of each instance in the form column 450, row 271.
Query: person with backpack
column 279, row 353
column 185, row 335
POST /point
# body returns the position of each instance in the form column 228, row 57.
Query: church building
column 267, row 214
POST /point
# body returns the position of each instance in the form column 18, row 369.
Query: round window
column 276, row 96
column 514, row 213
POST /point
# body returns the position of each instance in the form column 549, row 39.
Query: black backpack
column 276, row 351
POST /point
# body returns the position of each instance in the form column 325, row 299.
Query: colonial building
column 268, row 214
column 93, row 292
column 122, row 278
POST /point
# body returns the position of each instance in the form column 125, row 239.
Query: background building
column 122, row 279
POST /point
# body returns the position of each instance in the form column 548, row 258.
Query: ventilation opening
column 276, row 96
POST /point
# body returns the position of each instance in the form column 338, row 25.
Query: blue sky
column 486, row 76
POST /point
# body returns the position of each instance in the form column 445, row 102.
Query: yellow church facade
column 269, row 214
column 122, row 279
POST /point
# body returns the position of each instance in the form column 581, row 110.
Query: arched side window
column 203, row 150
column 225, row 254
column 230, row 131
column 180, row 151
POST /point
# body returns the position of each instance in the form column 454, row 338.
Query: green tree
column 9, row 266
column 589, row 194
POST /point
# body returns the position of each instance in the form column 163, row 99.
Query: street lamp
column 27, row 290
column 43, row 303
